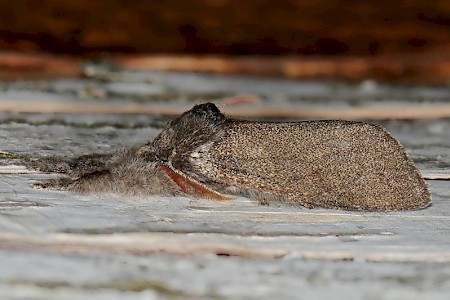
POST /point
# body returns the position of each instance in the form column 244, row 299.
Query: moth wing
column 326, row 164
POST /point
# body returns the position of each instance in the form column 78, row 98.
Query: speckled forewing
column 330, row 164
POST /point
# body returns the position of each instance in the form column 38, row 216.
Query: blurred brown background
column 390, row 38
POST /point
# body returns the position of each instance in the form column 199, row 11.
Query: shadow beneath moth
column 316, row 164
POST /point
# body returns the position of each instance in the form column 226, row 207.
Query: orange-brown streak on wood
column 15, row 65
column 426, row 68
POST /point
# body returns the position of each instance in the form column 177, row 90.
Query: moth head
column 187, row 132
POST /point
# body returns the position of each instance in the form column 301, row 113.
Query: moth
column 315, row 164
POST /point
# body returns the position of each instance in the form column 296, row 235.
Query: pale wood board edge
column 408, row 112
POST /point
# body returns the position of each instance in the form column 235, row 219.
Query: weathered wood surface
column 60, row 245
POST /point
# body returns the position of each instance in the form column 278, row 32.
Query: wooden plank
column 16, row 65
column 204, row 244
column 435, row 176
column 408, row 68
column 17, row 169
column 411, row 111
column 425, row 68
